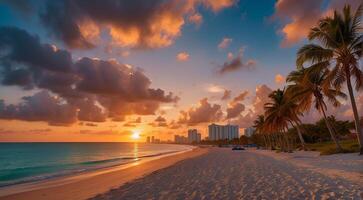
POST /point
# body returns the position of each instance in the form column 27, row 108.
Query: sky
column 102, row 70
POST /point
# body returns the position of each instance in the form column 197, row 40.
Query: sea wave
column 20, row 175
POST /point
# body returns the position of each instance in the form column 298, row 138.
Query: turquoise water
column 27, row 162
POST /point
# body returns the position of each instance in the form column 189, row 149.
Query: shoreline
column 88, row 184
column 92, row 170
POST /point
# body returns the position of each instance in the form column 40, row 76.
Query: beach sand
column 252, row 174
column 216, row 173
column 87, row 185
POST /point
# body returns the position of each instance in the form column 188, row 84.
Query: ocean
column 28, row 162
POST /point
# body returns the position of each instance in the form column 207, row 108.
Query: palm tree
column 259, row 124
column 280, row 112
column 307, row 88
column 341, row 43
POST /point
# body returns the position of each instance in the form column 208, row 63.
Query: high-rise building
column 152, row 139
column 148, row 139
column 249, row 131
column 180, row 139
column 193, row 136
column 223, row 132
column 199, row 137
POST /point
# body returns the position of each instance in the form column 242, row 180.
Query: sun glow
column 135, row 134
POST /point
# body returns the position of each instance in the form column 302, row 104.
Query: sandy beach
column 213, row 173
column 84, row 186
column 252, row 174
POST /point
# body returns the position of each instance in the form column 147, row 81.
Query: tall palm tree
column 279, row 114
column 259, row 124
column 307, row 88
column 341, row 43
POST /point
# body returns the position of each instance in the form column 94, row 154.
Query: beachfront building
column 148, row 139
column 249, row 131
column 152, row 139
column 194, row 136
column 223, row 132
column 179, row 139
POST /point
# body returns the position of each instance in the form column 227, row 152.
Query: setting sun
column 135, row 134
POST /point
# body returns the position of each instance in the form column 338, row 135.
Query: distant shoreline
column 77, row 186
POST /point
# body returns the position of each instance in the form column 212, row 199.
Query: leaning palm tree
column 341, row 43
column 307, row 89
column 279, row 113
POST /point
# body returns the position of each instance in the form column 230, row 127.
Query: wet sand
column 87, row 185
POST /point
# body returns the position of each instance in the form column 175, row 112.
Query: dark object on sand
column 238, row 148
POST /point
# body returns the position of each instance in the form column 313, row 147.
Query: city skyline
column 99, row 76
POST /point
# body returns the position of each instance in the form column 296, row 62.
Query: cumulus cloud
column 97, row 89
column 235, row 110
column 135, row 24
column 226, row 95
column 261, row 98
column 240, row 97
column 218, row 5
column 132, row 123
column 90, row 110
column 182, row 56
column 203, row 113
column 174, row 125
column 235, row 107
column 160, row 121
column 225, row 43
column 40, row 107
column 196, row 18
column 258, row 102
column 299, row 16
column 236, row 63
column 279, row 79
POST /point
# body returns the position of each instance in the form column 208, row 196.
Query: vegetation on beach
column 316, row 136
column 324, row 67
column 327, row 148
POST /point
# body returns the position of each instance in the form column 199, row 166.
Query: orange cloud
column 154, row 24
column 203, row 113
column 279, row 79
column 182, row 56
column 215, row 88
column 224, row 43
column 196, row 18
column 299, row 16
column 235, row 107
column 236, row 63
column 89, row 30
column 226, row 95
column 217, row 5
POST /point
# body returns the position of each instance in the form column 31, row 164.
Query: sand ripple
column 223, row 174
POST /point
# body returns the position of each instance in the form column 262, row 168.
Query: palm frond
column 313, row 53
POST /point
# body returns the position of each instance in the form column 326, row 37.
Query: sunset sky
column 95, row 70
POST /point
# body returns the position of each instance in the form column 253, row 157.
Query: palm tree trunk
column 282, row 145
column 274, row 137
column 332, row 135
column 273, row 141
column 300, row 135
column 358, row 128
column 289, row 149
column 269, row 141
column 264, row 139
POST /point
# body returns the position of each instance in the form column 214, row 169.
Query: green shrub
column 328, row 148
